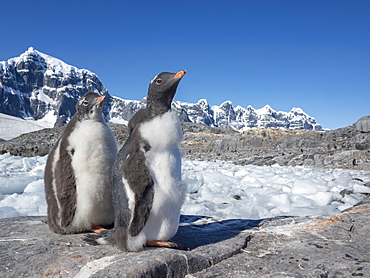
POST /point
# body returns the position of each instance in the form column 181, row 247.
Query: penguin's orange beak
column 100, row 99
column 179, row 74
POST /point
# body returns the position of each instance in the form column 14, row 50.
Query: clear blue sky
column 285, row 53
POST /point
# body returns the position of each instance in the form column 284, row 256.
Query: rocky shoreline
column 347, row 147
column 322, row 246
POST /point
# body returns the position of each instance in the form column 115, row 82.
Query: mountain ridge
column 40, row 87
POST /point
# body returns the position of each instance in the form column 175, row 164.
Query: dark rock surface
column 330, row 246
column 345, row 147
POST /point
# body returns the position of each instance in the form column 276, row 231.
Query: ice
column 230, row 191
column 6, row 212
column 217, row 189
column 17, row 172
column 14, row 184
column 322, row 198
column 307, row 186
column 21, row 186
column 361, row 188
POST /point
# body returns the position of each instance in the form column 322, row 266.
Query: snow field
column 217, row 189
column 225, row 191
column 11, row 127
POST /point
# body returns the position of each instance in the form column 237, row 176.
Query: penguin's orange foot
column 167, row 244
column 97, row 229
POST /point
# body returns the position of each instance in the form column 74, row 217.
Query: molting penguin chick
column 78, row 170
column 146, row 180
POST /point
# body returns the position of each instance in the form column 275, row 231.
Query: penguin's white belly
column 93, row 150
column 164, row 162
column 169, row 195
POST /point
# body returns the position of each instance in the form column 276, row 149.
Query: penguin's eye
column 85, row 103
column 158, row 81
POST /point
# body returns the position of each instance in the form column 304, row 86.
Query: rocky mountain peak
column 40, row 87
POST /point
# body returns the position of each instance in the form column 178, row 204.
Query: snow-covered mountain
column 240, row 118
column 39, row 87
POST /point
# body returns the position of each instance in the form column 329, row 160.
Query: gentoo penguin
column 78, row 170
column 146, row 179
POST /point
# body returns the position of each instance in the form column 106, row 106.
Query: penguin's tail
column 105, row 237
column 126, row 242
column 121, row 238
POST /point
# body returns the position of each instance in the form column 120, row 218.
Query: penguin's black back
column 65, row 181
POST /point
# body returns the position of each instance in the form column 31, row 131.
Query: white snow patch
column 11, row 127
column 118, row 121
column 216, row 189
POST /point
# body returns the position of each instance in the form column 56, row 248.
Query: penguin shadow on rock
column 147, row 190
column 78, row 170
column 196, row 231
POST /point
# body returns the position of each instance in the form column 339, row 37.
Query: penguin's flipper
column 143, row 206
column 66, row 188
column 119, row 194
column 136, row 119
column 142, row 185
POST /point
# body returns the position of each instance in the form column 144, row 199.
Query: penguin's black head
column 90, row 107
column 161, row 91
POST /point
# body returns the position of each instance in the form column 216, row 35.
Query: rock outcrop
column 363, row 124
column 330, row 246
column 347, row 147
